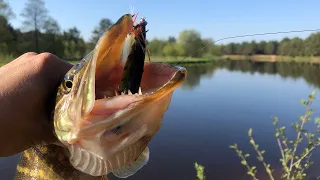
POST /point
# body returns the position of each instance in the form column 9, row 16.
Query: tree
column 191, row 41
column 156, row 47
column 296, row 47
column 261, row 47
column 229, row 49
column 35, row 15
column 246, row 48
column 51, row 26
column 312, row 44
column 5, row 10
column 284, row 46
column 271, row 47
column 172, row 49
column 104, row 25
column 74, row 45
column 52, row 40
column 172, row 39
column 7, row 36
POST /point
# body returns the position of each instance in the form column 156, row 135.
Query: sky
column 213, row 19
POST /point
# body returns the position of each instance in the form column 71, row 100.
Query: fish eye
column 68, row 84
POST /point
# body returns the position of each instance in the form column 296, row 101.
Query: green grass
column 6, row 58
column 182, row 60
column 273, row 58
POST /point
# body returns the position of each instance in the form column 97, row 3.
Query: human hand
column 27, row 87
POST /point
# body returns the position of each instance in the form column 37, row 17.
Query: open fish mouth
column 106, row 130
column 158, row 80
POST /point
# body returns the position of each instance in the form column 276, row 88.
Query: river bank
column 259, row 58
column 274, row 58
column 4, row 59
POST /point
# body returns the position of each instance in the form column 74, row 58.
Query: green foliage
column 200, row 171
column 156, row 47
column 191, row 41
column 294, row 165
column 98, row 31
column 5, row 58
column 5, row 10
column 172, row 49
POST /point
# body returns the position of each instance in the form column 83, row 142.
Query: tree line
column 41, row 33
column 190, row 43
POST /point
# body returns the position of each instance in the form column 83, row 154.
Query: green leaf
column 251, row 141
column 301, row 118
column 250, row 132
column 247, row 155
column 243, row 162
column 275, row 120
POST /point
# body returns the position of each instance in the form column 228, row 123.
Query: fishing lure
column 134, row 66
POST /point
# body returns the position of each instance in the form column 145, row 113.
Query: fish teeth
column 140, row 91
column 129, row 92
column 116, row 93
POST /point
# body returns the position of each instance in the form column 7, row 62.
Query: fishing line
column 249, row 35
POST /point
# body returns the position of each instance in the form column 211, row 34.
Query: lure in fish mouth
column 103, row 130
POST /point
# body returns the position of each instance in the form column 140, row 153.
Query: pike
column 100, row 131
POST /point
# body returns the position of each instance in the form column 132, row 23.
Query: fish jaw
column 76, row 94
column 103, row 131
column 114, row 136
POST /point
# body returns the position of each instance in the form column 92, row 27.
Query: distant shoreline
column 257, row 58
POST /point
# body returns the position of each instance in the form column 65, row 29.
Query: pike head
column 103, row 131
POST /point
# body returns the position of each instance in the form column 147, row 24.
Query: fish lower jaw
column 115, row 93
column 129, row 92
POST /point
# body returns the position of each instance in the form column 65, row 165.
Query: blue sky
column 214, row 19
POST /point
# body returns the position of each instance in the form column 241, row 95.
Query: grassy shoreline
column 274, row 58
column 258, row 58
column 4, row 59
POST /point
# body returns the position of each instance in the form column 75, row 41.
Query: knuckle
column 47, row 56
column 44, row 61
column 28, row 55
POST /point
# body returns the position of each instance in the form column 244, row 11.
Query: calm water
column 213, row 109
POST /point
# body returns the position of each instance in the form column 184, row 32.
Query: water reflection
column 196, row 72
column 309, row 72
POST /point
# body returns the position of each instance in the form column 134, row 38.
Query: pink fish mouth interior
column 155, row 77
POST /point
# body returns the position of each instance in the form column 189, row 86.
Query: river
column 213, row 109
